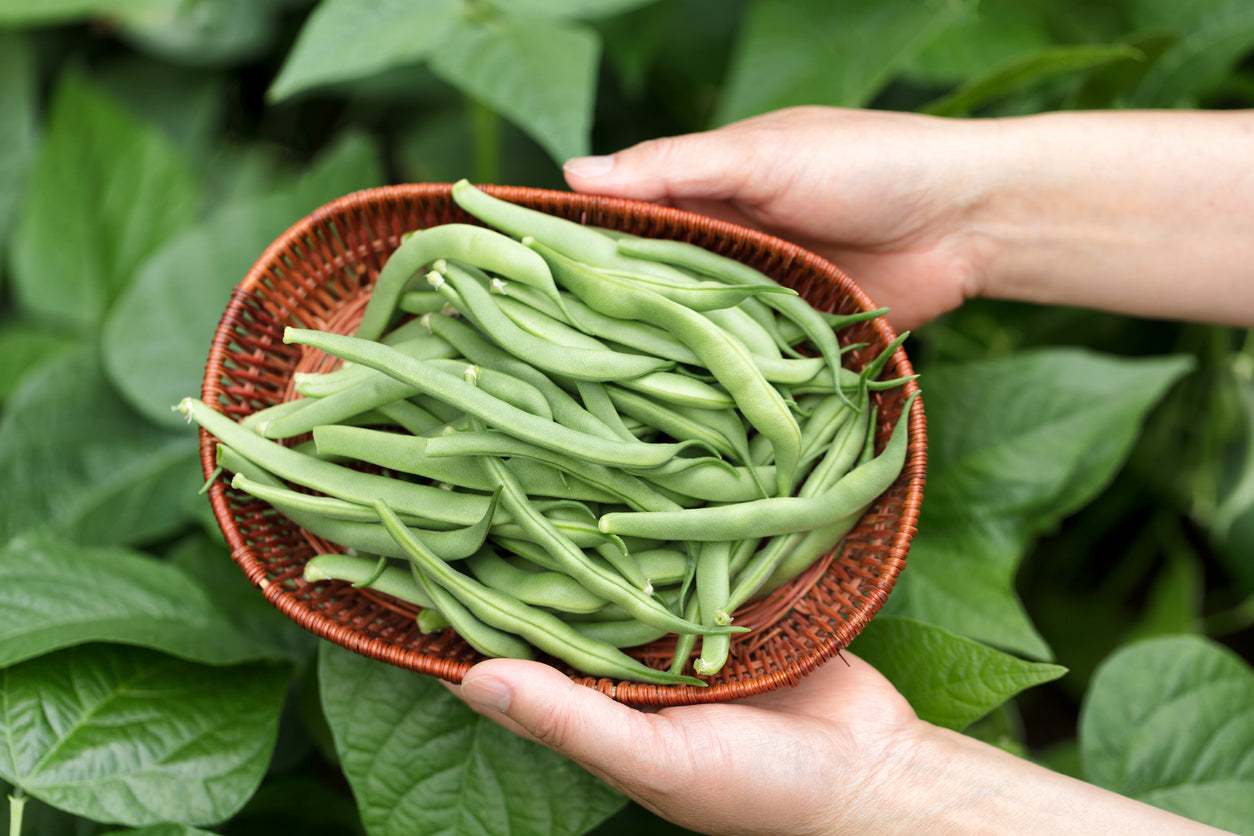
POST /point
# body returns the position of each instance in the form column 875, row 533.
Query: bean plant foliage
column 1081, row 589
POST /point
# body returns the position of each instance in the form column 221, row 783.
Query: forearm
column 946, row 782
column 1148, row 213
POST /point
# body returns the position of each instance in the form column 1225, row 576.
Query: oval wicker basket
column 318, row 274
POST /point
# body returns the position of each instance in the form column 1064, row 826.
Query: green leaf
column 18, row 100
column 420, row 761
column 207, row 562
column 54, row 595
column 162, row 830
column 1015, row 445
column 567, row 9
column 156, row 338
column 540, row 74
column 798, row 52
column 961, row 681
column 24, row 346
column 129, row 736
column 999, row 32
column 1027, row 72
column 344, row 40
column 75, row 460
column 202, row 33
column 38, row 12
column 188, row 105
column 105, row 191
column 1215, row 35
column 1171, row 721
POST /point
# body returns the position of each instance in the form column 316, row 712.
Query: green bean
column 485, row 248
column 773, row 515
column 596, row 398
column 575, row 240
column 700, row 295
column 769, row 560
column 713, row 588
column 628, row 332
column 681, row 389
column 671, row 421
column 685, row 643
column 820, row 333
column 336, row 480
column 807, row 548
column 499, row 414
column 371, row 392
column 625, row 633
column 598, row 579
column 566, row 410
column 542, row 629
column 411, row 454
column 722, row 354
column 545, row 588
column 425, row 346
column 617, row 483
column 429, row 620
column 409, row 416
column 482, row 637
column 505, row 386
column 476, row 303
column 714, row 481
column 394, row 580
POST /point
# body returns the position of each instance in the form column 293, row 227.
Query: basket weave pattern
column 318, row 274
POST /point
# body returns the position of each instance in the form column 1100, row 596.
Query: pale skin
column 1144, row 213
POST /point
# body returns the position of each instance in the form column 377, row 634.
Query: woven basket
column 318, row 275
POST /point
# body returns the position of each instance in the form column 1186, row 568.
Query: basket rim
column 585, row 207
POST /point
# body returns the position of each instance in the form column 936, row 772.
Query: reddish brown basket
column 318, row 274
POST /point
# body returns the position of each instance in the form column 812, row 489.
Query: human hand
column 924, row 212
column 797, row 760
column 840, row 753
column 886, row 196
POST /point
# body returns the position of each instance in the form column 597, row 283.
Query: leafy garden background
column 1081, row 590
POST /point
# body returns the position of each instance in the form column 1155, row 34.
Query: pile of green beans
column 567, row 441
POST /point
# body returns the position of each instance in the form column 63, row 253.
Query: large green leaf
column 1000, row 32
column 1015, row 444
column 130, row 736
column 344, row 40
column 201, row 33
column 39, row 12
column 1214, row 36
column 105, row 191
column 157, row 337
column 1171, row 721
column 419, row 761
column 540, row 74
column 76, row 460
column 1027, row 72
column 23, row 346
column 798, row 52
column 54, row 595
column 18, row 100
column 958, row 682
column 568, row 9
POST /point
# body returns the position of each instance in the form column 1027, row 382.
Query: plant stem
column 17, row 804
column 485, row 124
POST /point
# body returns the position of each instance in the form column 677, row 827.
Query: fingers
column 543, row 704
column 668, row 170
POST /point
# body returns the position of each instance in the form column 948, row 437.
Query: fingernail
column 589, row 166
column 487, row 691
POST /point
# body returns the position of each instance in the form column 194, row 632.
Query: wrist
column 1109, row 210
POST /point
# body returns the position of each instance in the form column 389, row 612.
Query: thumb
column 699, row 166
column 542, row 704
